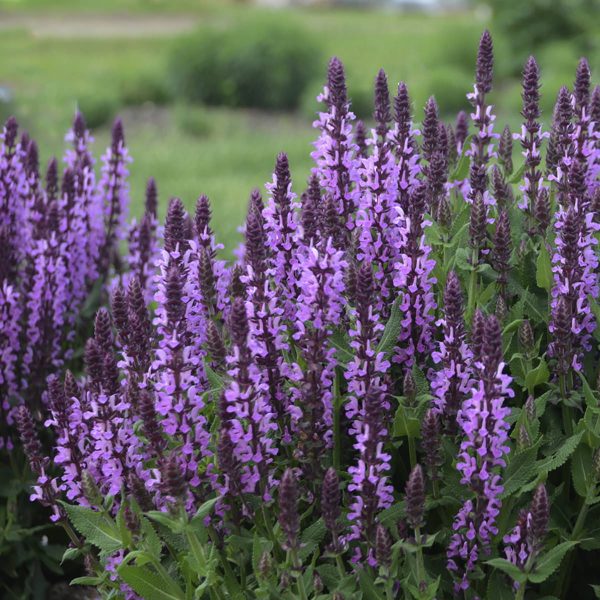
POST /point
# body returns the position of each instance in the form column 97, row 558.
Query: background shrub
column 146, row 88
column 99, row 109
column 260, row 67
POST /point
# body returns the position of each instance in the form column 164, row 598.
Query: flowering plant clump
column 391, row 393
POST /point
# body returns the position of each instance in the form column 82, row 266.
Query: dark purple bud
column 382, row 114
column 595, row 107
column 485, row 64
column 502, row 249
column 581, row 88
column 333, row 226
column 24, row 141
column 57, row 400
column 505, row 149
column 79, row 125
column 478, row 223
column 526, row 337
column 71, row 387
column 214, row 344
column 30, row 439
column 542, row 211
column 90, row 489
column 120, row 313
column 288, row 509
column 336, row 83
column 151, row 197
column 331, row 501
column 256, row 242
column 540, row 513
column 492, row 344
column 383, row 547
column 531, row 91
column 530, row 409
column 364, row 289
column 577, row 188
column 477, row 335
column 173, row 480
column 561, row 321
column 431, row 443
column 311, row 209
column 94, row 361
column 131, row 520
column 402, row 114
column 206, row 280
column 523, row 439
column 462, row 128
column 118, row 136
column 238, row 323
column 502, row 191
column 175, row 228
column 103, row 330
column 203, row 216
column 139, row 492
column 175, row 307
column 409, row 387
column 283, row 181
column 452, row 142
column 444, row 213
column 32, row 160
column 110, row 373
column 52, row 180
column 11, row 129
column 430, row 128
column 360, row 137
column 415, row 497
column 317, row 583
column 237, row 288
column 152, row 428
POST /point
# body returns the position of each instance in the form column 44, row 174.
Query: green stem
column 337, row 436
column 420, row 565
column 473, row 284
column 412, row 452
column 565, row 572
column 520, row 595
column 297, row 566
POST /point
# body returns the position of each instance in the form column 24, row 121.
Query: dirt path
column 100, row 26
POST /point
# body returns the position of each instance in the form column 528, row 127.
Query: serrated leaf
column 507, row 567
column 149, row 585
column 367, row 586
column 548, row 563
column 521, row 470
column 165, row 519
column 543, row 272
column 518, row 174
column 311, row 537
column 204, row 510
column 86, row 580
column 94, row 527
column 498, row 588
column 259, row 547
column 391, row 333
column 582, row 471
column 560, row 457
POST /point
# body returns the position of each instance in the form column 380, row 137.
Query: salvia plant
column 392, row 392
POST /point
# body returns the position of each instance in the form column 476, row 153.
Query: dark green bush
column 98, row 109
column 259, row 66
column 146, row 88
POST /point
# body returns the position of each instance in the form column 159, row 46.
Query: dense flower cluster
column 58, row 242
column 381, row 391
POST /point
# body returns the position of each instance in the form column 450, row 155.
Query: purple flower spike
column 482, row 419
column 336, row 151
column 451, row 384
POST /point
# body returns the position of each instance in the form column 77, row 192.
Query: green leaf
column 171, row 523
column 204, row 510
column 339, row 340
column 582, row 471
column 518, row 174
column 405, row 424
column 537, row 376
column 392, row 329
column 94, row 527
column 498, row 588
column 543, row 274
column 215, row 381
column 259, row 547
column 558, row 458
column 311, row 538
column 149, row 585
column 87, row 580
column 596, row 589
column 367, row 586
column 521, row 470
column 464, row 162
column 548, row 563
column 507, row 567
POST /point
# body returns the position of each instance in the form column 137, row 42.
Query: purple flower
column 336, row 151
column 482, row 419
column 452, row 382
column 414, row 281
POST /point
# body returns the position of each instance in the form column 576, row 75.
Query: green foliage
column 147, row 88
column 264, row 66
column 99, row 108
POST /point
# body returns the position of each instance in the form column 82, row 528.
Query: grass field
column 223, row 153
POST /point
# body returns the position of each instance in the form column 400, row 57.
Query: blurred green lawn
column 225, row 153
